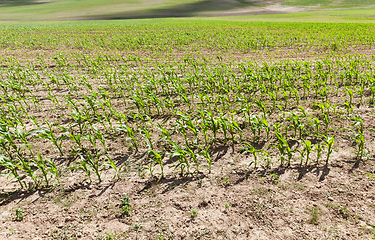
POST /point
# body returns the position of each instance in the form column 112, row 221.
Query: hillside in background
column 136, row 9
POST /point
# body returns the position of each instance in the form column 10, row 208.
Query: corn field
column 76, row 99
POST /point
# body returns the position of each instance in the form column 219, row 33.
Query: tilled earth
column 314, row 202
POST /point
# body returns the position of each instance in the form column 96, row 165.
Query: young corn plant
column 8, row 140
column 224, row 128
column 256, row 125
column 112, row 164
column 157, row 158
column 82, row 165
column 350, row 93
column 29, row 170
column 329, row 143
column 146, row 134
column 283, row 146
column 193, row 156
column 130, row 135
column 77, row 138
column 347, row 105
column 261, row 106
column 182, row 156
column 357, row 135
column 213, row 124
column 205, row 153
column 305, row 151
column 47, row 166
column 13, row 167
column 165, row 136
column 181, row 128
column 48, row 133
column 267, row 127
column 80, row 121
column 294, row 119
column 248, row 148
column 315, row 124
column 319, row 148
column 326, row 123
column 208, row 141
column 189, row 124
column 94, row 163
column 233, row 127
column 23, row 137
column 98, row 135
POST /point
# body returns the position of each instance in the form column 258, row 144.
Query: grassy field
column 57, row 10
column 187, row 129
column 100, row 9
column 330, row 3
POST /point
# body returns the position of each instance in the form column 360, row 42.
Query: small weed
column 344, row 211
column 371, row 176
column 137, row 226
column 114, row 236
column 357, row 217
column 260, row 191
column 284, row 187
column 299, row 186
column 142, row 174
column 227, row 206
column 226, row 181
column 110, row 236
column 194, row 213
column 19, row 214
column 57, row 199
column 275, row 178
column 315, row 211
column 125, row 205
column 341, row 210
column 200, row 182
column 65, row 203
column 371, row 228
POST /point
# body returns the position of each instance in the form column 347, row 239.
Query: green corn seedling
column 112, row 164
column 47, row 166
column 307, row 149
column 83, row 166
column 250, row 149
column 13, row 168
column 205, row 153
column 183, row 164
column 357, row 135
column 157, row 158
column 48, row 133
column 146, row 134
column 319, row 151
column 329, row 143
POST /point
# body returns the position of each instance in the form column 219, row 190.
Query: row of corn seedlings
column 180, row 111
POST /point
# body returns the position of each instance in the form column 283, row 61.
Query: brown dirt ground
column 230, row 204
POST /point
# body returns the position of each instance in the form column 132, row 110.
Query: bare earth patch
column 293, row 203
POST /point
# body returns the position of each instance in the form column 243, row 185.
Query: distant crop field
column 115, row 9
column 187, row 129
column 297, row 10
column 330, row 3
